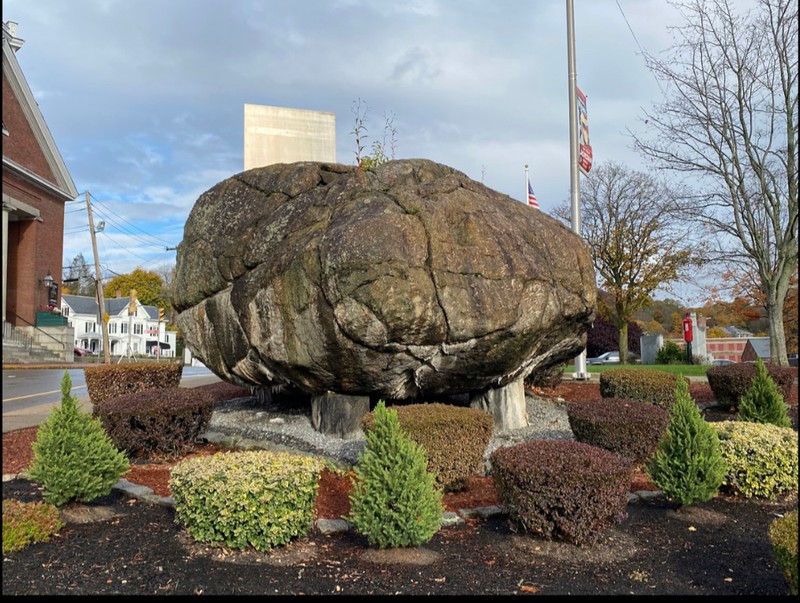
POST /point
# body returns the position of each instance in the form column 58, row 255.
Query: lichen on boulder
column 404, row 281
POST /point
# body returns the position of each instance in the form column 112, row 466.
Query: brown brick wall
column 21, row 145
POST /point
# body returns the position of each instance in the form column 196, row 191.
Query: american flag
column 531, row 197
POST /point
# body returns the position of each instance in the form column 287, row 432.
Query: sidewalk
column 35, row 415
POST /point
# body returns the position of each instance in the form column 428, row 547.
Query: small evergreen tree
column 73, row 457
column 687, row 465
column 394, row 501
column 763, row 402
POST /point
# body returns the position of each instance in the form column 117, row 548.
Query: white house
column 139, row 332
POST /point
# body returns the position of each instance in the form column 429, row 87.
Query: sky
column 145, row 99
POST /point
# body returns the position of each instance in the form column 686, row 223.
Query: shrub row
column 28, row 522
column 562, row 489
column 454, row 438
column 651, row 386
column 104, row 381
column 783, row 538
column 761, row 458
column 156, row 421
column 730, row 382
column 631, row 428
column 256, row 498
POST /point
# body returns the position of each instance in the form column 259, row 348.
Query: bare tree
column 78, row 277
column 729, row 122
column 635, row 237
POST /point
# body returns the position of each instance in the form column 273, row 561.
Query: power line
column 129, row 223
column 635, row 39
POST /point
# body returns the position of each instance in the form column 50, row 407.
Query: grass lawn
column 687, row 370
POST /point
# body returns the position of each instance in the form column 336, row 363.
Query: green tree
column 763, row 402
column 628, row 219
column 149, row 287
column 394, row 501
column 687, row 465
column 729, row 121
column 73, row 457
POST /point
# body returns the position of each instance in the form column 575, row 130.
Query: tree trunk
column 777, row 336
column 623, row 343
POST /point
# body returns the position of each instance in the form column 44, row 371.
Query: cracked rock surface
column 405, row 281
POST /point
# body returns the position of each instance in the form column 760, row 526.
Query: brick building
column 36, row 185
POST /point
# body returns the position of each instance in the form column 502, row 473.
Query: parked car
column 792, row 359
column 721, row 361
column 83, row 352
column 607, row 358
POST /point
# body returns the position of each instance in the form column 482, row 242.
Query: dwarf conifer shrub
column 763, row 402
column 687, row 465
column 783, row 538
column 73, row 457
column 394, row 501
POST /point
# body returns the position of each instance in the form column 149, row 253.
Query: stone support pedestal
column 506, row 405
column 339, row 414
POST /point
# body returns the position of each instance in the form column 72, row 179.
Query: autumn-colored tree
column 628, row 219
column 729, row 121
column 148, row 286
column 715, row 333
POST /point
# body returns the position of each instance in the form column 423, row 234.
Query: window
column 123, row 328
column 91, row 327
column 65, row 311
column 112, row 327
column 138, row 328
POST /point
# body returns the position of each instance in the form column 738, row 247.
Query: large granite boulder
column 406, row 281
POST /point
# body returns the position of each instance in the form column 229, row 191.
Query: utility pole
column 100, row 298
column 580, row 360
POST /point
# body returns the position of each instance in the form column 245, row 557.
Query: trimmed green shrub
column 763, row 402
column 73, row 458
column 631, row 428
column 783, row 538
column 28, row 522
column 761, row 458
column 454, row 439
column 256, row 498
column 394, row 501
column 562, row 489
column 647, row 385
column 104, row 381
column 730, row 382
column 688, row 464
column 156, row 421
column 671, row 353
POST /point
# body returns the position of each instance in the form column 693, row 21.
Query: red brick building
column 36, row 185
column 733, row 348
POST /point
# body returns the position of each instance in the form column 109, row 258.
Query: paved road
column 30, row 393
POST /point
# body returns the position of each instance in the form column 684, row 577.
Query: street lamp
column 48, row 280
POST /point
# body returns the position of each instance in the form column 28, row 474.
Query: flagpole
column 580, row 360
column 526, row 184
